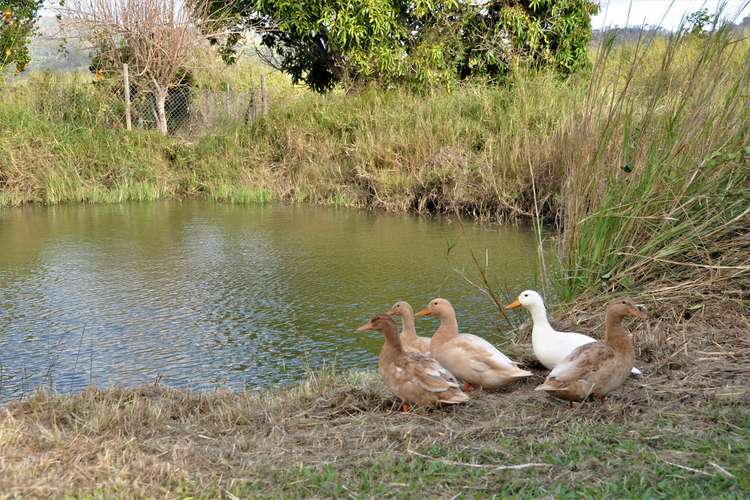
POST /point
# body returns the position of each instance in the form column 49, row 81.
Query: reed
column 657, row 194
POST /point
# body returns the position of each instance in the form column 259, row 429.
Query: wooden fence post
column 229, row 100
column 252, row 107
column 126, row 83
column 263, row 93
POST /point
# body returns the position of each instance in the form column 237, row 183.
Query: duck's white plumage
column 550, row 346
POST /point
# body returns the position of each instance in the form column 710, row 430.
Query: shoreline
column 683, row 428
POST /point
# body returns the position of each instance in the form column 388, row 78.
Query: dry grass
column 335, row 432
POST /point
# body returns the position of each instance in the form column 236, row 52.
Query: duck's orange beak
column 366, row 327
column 513, row 304
column 424, row 312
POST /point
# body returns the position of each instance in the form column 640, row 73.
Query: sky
column 664, row 13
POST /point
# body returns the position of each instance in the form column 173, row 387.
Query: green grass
column 630, row 461
column 634, row 460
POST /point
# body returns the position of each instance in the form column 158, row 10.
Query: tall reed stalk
column 658, row 182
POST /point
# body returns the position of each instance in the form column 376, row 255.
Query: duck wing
column 482, row 354
column 429, row 374
column 580, row 363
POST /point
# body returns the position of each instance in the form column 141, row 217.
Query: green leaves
column 421, row 42
column 17, row 19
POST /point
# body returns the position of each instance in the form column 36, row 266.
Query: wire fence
column 115, row 101
column 191, row 111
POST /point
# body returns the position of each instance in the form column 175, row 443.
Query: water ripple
column 208, row 295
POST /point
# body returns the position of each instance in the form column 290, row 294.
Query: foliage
column 16, row 27
column 324, row 42
column 698, row 21
column 659, row 182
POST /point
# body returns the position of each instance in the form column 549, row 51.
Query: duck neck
column 615, row 334
column 408, row 330
column 538, row 315
column 392, row 345
column 447, row 330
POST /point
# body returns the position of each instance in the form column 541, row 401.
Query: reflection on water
column 206, row 294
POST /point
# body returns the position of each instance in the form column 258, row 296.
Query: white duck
column 550, row 346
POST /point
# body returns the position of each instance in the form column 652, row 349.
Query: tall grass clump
column 472, row 149
column 658, row 188
column 61, row 140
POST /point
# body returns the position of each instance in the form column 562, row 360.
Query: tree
column 324, row 42
column 697, row 22
column 156, row 38
column 16, row 27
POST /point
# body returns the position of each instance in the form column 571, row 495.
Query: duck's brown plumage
column 409, row 338
column 470, row 358
column 413, row 377
column 597, row 368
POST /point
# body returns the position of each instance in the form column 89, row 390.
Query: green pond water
column 208, row 295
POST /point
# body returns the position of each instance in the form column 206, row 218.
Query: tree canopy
column 16, row 27
column 324, row 42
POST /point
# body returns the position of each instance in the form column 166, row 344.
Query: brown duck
column 472, row 359
column 409, row 338
column 414, row 377
column 598, row 368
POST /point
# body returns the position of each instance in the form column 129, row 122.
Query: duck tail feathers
column 547, row 387
column 456, row 398
column 522, row 373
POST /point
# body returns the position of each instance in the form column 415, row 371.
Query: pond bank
column 465, row 151
column 683, row 429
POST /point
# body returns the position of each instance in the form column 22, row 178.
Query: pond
column 206, row 295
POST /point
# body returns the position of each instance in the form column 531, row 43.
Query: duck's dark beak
column 424, row 312
column 516, row 303
column 366, row 327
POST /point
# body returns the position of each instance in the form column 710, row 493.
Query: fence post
column 229, row 100
column 126, row 83
column 207, row 109
column 252, row 107
column 263, row 93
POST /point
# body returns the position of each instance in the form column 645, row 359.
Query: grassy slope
column 468, row 149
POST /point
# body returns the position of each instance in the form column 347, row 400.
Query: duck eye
column 434, row 303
